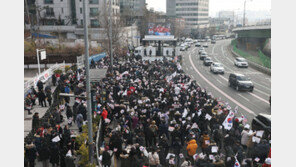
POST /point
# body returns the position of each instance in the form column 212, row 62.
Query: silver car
column 217, row 68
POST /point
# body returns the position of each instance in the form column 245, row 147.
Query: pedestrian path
column 36, row 108
column 42, row 111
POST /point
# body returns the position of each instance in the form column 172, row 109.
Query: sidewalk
column 42, row 111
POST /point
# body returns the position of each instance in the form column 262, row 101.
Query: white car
column 201, row 50
column 205, row 45
column 217, row 68
column 241, row 62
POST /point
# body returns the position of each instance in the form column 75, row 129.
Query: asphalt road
column 249, row 104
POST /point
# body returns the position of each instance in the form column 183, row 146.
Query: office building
column 195, row 12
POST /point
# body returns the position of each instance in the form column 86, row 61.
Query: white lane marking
column 219, row 81
column 226, row 55
column 219, row 90
column 262, row 86
column 243, row 97
column 261, row 92
column 259, row 98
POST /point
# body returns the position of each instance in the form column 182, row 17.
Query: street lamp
column 88, row 92
column 244, row 21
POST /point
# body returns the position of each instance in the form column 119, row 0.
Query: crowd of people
column 52, row 143
column 156, row 115
column 153, row 114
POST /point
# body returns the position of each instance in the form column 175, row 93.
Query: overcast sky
column 218, row 5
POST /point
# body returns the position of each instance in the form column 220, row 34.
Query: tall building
column 195, row 12
column 70, row 12
column 134, row 6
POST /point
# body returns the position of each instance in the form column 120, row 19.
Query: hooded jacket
column 191, row 147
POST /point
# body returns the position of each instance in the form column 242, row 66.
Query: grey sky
column 217, row 5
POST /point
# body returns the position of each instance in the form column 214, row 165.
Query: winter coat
column 30, row 152
column 106, row 158
column 35, row 122
column 245, row 137
column 69, row 161
column 186, row 164
column 44, row 152
column 79, row 120
column 153, row 159
column 191, row 147
column 204, row 139
column 54, row 154
column 104, row 114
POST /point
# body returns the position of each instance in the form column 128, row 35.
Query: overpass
column 254, row 38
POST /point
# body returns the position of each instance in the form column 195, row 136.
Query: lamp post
column 244, row 19
column 88, row 93
column 110, row 34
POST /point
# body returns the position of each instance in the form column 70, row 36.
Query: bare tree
column 119, row 38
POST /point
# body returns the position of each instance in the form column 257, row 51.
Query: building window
column 48, row 1
column 49, row 12
column 61, row 0
column 93, row 1
column 93, row 11
column 94, row 23
column 81, row 22
column 62, row 10
column 80, row 10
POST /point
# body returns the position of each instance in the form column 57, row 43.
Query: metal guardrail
column 44, row 76
column 97, row 143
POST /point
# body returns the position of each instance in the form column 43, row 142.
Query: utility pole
column 88, row 93
column 110, row 34
column 244, row 19
column 29, row 19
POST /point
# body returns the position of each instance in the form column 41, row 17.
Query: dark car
column 262, row 122
column 213, row 41
column 208, row 61
column 240, row 82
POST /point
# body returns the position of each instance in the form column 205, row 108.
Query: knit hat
column 268, row 161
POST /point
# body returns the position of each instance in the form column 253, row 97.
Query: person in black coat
column 44, row 153
column 35, row 121
column 40, row 85
column 53, row 79
column 30, row 155
column 42, row 97
column 54, row 154
column 106, row 157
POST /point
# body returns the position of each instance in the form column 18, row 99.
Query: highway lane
column 250, row 104
column 221, row 51
column 261, row 81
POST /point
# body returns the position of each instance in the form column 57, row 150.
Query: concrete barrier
column 252, row 64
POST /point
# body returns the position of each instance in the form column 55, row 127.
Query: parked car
column 217, row 68
column 208, row 61
column 240, row 62
column 240, row 82
column 203, row 55
column 262, row 122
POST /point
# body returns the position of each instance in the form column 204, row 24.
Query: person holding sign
column 205, row 140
